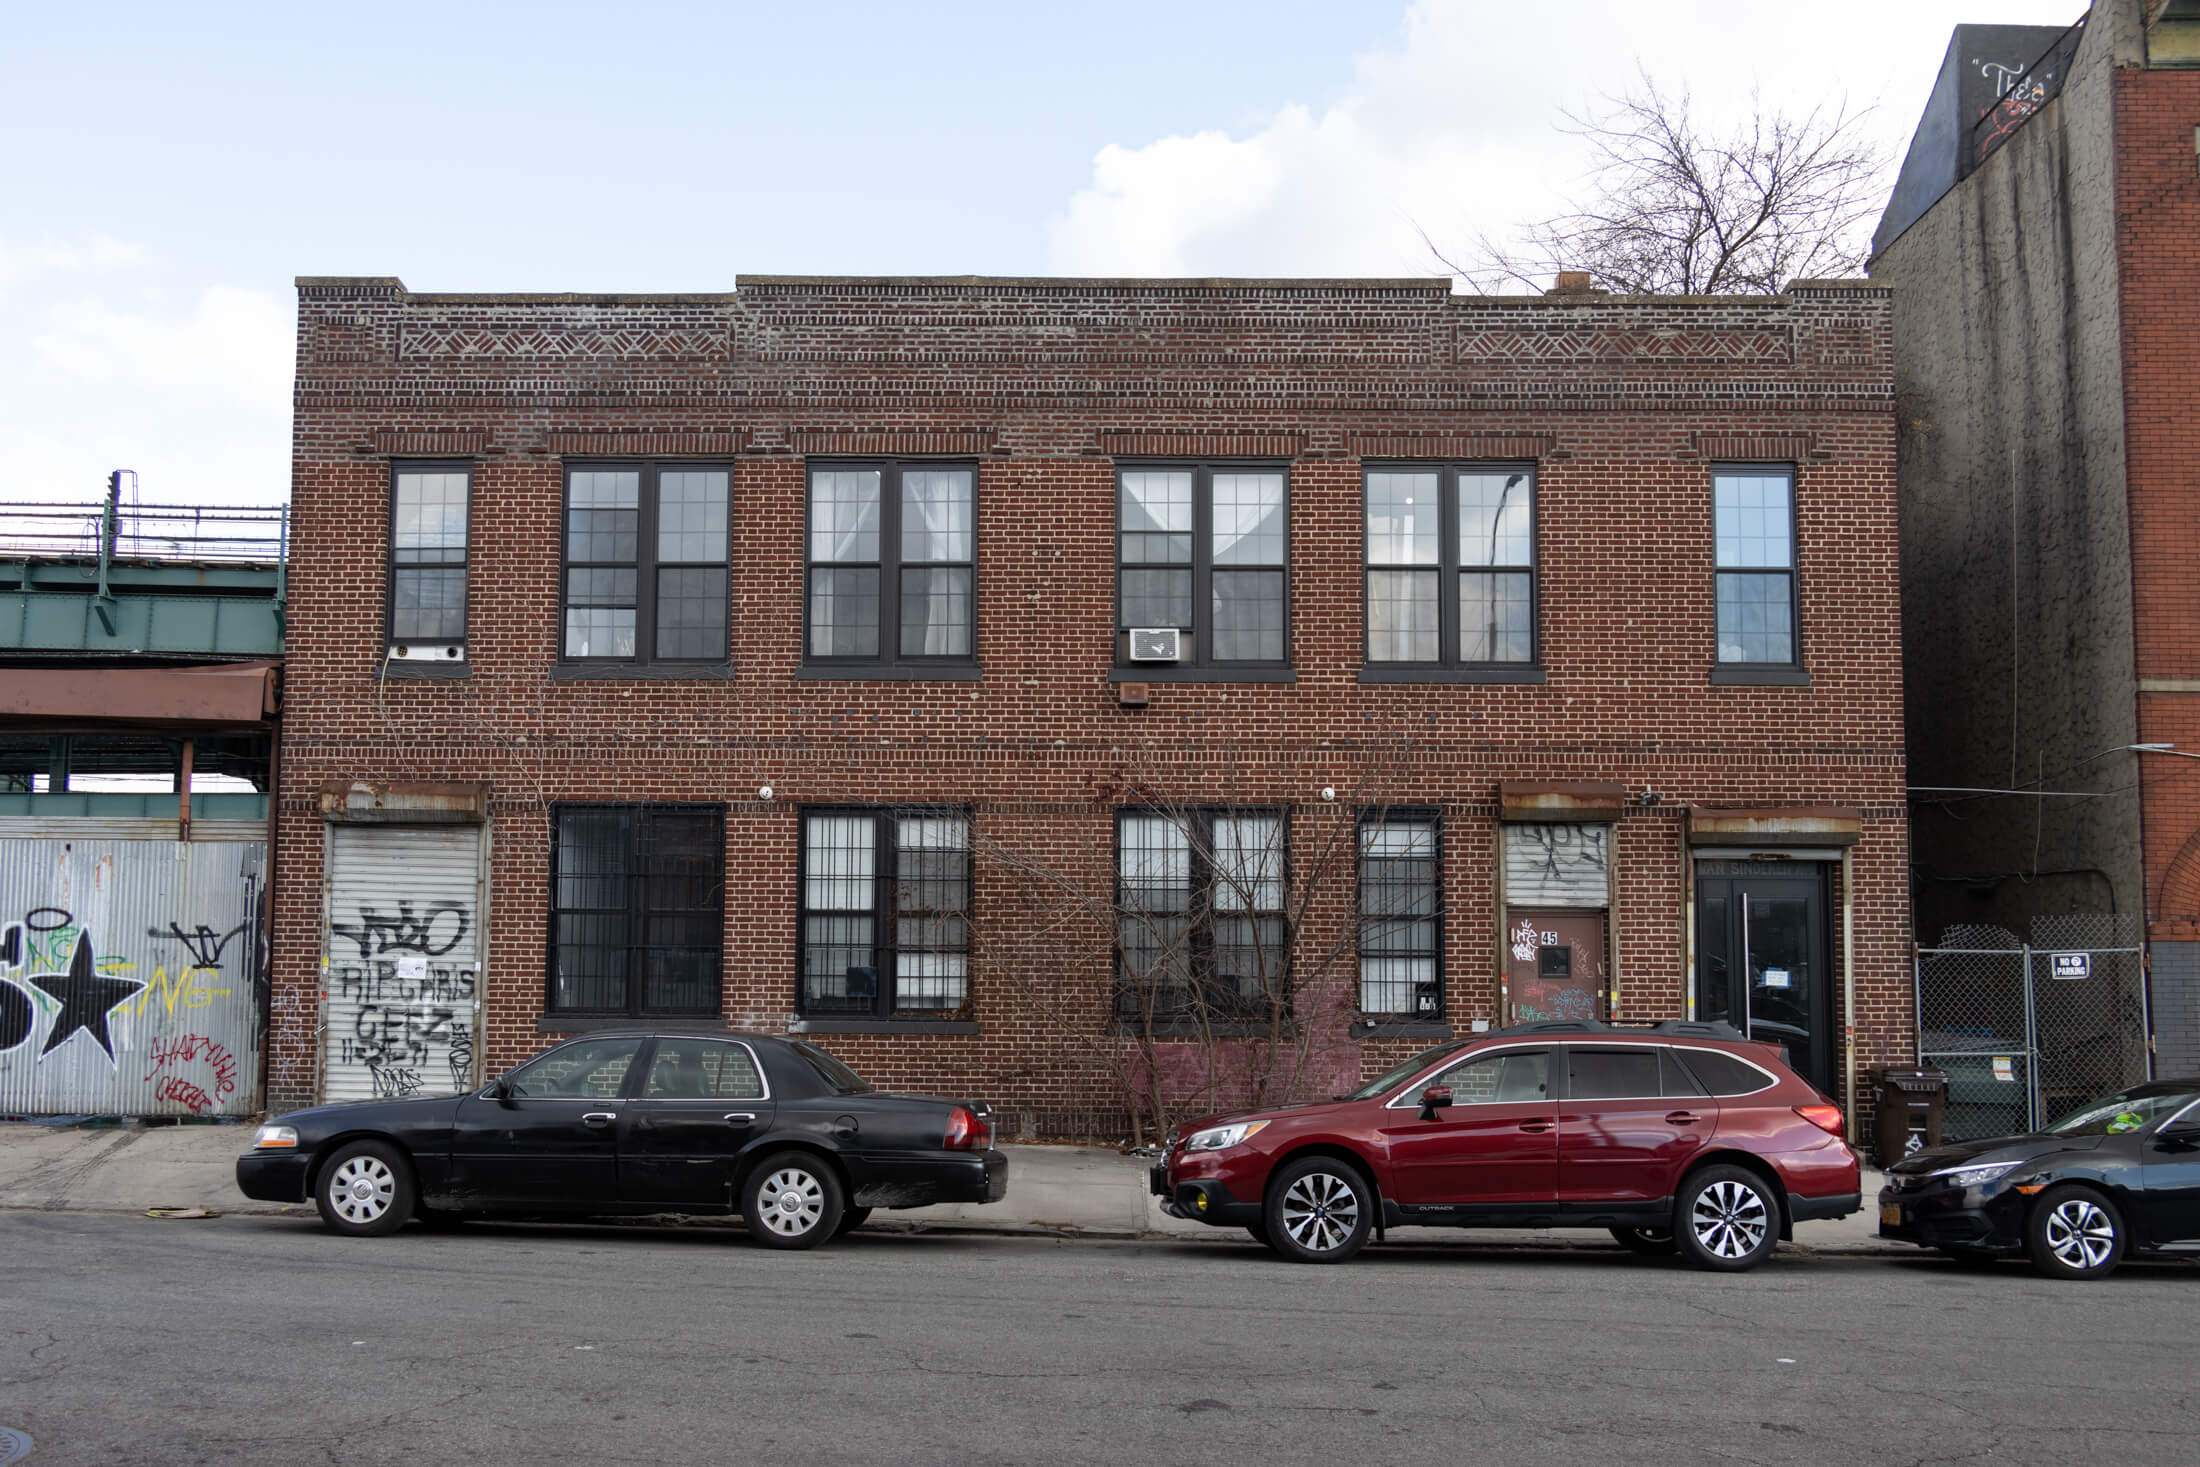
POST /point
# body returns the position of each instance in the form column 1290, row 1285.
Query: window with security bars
column 428, row 541
column 892, row 564
column 885, row 919
column 1451, row 565
column 1401, row 915
column 1200, row 914
column 1753, row 510
column 646, row 563
column 637, row 910
column 1204, row 549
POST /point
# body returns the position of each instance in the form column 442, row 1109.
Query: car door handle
column 1536, row 1126
column 599, row 1118
column 741, row 1118
column 1682, row 1118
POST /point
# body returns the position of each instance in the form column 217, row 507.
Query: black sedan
column 633, row 1124
column 2121, row 1175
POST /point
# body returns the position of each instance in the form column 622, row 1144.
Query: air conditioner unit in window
column 427, row 652
column 1157, row 644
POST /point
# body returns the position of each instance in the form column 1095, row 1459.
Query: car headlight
column 1971, row 1176
column 275, row 1138
column 1218, row 1138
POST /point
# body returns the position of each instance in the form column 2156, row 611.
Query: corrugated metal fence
column 130, row 976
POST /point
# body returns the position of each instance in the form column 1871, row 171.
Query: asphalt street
column 266, row 1340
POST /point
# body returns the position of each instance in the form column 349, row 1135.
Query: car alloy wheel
column 366, row 1190
column 1726, row 1219
column 1318, row 1210
column 792, row 1201
column 2074, row 1233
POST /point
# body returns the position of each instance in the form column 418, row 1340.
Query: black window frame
column 884, row 914
column 1201, row 665
column 1746, row 671
column 398, row 469
column 1200, row 939
column 646, row 563
column 1450, row 663
column 890, row 663
column 1432, row 817
column 636, row 910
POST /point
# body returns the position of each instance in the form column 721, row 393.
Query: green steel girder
column 59, row 621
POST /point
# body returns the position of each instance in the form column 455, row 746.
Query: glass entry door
column 1761, row 958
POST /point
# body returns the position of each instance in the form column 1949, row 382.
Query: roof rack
column 1686, row 1028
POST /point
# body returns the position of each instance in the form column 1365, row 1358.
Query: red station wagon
column 1678, row 1137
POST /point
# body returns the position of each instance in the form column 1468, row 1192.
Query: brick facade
column 1044, row 385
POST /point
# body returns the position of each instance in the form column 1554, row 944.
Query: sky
column 167, row 170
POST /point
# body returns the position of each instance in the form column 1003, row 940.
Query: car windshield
column 1374, row 1088
column 843, row 1080
column 2130, row 1111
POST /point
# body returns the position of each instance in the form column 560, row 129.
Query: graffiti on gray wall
column 402, row 997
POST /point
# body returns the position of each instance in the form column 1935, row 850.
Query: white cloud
column 233, row 343
column 48, row 257
column 1454, row 128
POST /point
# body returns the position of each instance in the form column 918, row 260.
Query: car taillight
column 965, row 1132
column 1824, row 1117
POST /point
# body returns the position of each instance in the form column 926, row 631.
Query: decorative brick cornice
column 1567, row 342
column 529, row 341
column 632, row 443
column 1755, row 447
column 1450, row 445
column 869, row 442
column 1125, row 443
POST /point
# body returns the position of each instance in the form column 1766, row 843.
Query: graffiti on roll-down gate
column 103, row 1011
column 402, row 990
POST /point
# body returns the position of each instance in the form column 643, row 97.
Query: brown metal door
column 1554, row 965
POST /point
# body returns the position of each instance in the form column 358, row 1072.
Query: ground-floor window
column 638, row 910
column 1202, row 928
column 1401, row 910
column 885, row 919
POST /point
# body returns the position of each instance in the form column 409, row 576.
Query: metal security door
column 403, row 991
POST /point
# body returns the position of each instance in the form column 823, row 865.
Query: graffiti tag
column 202, row 942
column 434, row 929
column 184, row 1049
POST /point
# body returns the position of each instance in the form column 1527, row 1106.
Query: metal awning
column 230, row 695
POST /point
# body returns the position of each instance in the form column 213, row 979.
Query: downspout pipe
column 1848, row 987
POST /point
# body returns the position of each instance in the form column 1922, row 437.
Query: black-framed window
column 1753, row 514
column 1202, row 925
column 646, row 562
column 430, row 508
column 1401, row 915
column 1451, row 565
column 637, row 910
column 884, row 926
column 893, row 558
column 1205, row 549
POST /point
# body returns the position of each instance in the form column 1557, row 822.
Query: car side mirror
column 500, row 1089
column 1433, row 1099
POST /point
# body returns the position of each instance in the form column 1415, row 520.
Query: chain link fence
column 2027, row 1031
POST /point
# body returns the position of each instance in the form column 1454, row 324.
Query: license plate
column 1890, row 1214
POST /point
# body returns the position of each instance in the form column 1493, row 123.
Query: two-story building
column 1019, row 686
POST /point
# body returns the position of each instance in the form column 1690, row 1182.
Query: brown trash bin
column 1909, row 1112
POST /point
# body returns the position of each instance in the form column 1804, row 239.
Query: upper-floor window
column 1203, row 549
column 1753, row 509
column 1203, row 931
column 893, row 553
column 884, row 927
column 637, row 909
column 1401, row 908
column 428, row 541
column 1451, row 566
column 645, row 563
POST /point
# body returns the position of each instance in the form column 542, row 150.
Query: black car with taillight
column 637, row 1123
column 2118, row 1176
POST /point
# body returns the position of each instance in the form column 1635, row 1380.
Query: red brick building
column 2045, row 292
column 970, row 673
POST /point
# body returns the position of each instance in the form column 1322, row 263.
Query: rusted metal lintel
column 403, row 802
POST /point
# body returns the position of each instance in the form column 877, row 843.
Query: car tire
column 365, row 1190
column 1647, row 1242
column 1727, row 1219
column 1319, row 1210
column 2074, row 1233
column 851, row 1219
column 792, row 1200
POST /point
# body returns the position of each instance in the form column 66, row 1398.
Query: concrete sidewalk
column 1063, row 1191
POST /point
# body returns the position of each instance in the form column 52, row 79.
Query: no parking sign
column 2073, row 965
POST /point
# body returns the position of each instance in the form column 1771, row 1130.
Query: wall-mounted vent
column 427, row 652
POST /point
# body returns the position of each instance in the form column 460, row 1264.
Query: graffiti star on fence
column 85, row 996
